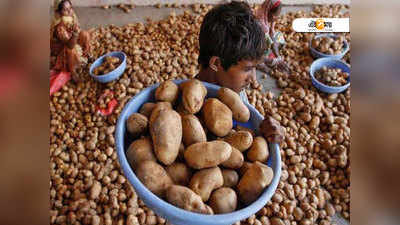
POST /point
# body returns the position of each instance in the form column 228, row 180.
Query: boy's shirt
column 243, row 96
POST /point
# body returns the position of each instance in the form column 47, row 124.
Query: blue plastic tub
column 318, row 54
column 176, row 215
column 117, row 72
column 330, row 63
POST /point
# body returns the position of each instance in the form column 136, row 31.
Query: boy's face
column 238, row 76
column 275, row 16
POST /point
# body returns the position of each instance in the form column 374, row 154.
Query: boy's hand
column 272, row 130
column 282, row 65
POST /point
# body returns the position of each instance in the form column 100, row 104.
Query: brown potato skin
column 181, row 110
column 241, row 140
column 168, row 91
column 193, row 132
column 137, row 124
column 193, row 94
column 241, row 128
column 154, row 177
column 253, row 182
column 139, row 151
column 231, row 177
column 223, row 200
column 246, row 165
column 147, row 108
column 235, row 161
column 217, row 117
column 230, row 98
column 166, row 133
column 158, row 107
column 207, row 154
column 186, row 199
column 258, row 150
column 209, row 210
column 205, row 181
column 179, row 173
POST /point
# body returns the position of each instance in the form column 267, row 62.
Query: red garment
column 57, row 80
column 271, row 56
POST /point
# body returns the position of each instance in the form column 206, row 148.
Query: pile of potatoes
column 103, row 101
column 329, row 45
column 186, row 150
column 109, row 64
column 332, row 76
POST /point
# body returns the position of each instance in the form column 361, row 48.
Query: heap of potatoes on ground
column 193, row 156
column 87, row 185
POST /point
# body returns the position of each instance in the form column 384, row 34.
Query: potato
column 230, row 98
column 193, row 94
column 231, row 177
column 241, row 140
column 253, row 182
column 157, row 108
column 235, row 161
column 217, row 117
column 258, row 150
column 160, row 106
column 241, row 128
column 154, row 177
column 186, row 199
column 205, row 181
column 168, row 91
column 146, row 109
column 137, row 124
column 209, row 210
column 139, row 151
column 223, row 200
column 207, row 154
column 244, row 168
column 193, row 132
column 231, row 132
column 166, row 133
column 179, row 173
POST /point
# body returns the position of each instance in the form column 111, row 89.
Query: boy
column 232, row 43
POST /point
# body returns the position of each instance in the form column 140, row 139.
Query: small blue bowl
column 330, row 63
column 176, row 215
column 117, row 72
column 318, row 54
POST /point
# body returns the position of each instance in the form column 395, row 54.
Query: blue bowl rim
column 173, row 210
column 344, row 51
column 100, row 58
column 324, row 85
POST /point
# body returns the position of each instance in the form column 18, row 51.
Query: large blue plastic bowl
column 117, row 72
column 176, row 215
column 330, row 63
column 318, row 54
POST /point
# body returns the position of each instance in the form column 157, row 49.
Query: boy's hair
column 231, row 32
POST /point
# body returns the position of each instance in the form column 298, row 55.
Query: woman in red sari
column 68, row 43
